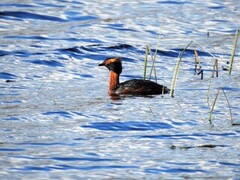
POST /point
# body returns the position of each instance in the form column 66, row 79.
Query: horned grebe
column 132, row 87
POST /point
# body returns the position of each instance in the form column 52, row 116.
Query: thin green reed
column 149, row 51
column 176, row 72
column 145, row 62
column 214, row 103
column 212, row 108
column 233, row 50
column 154, row 58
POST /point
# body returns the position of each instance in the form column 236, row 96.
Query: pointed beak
column 102, row 64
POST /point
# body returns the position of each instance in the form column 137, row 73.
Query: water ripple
column 51, row 63
column 81, row 159
column 57, row 120
column 18, row 5
column 27, row 15
column 173, row 136
column 3, row 53
column 69, row 167
column 173, row 170
column 11, row 149
column 4, row 75
column 59, row 113
column 128, row 126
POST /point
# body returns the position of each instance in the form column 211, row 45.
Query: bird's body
column 132, row 87
column 140, row 87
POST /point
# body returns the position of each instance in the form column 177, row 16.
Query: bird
column 139, row 87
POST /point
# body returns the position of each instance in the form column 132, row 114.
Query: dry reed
column 176, row 72
column 233, row 50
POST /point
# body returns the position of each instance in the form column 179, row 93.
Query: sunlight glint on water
column 57, row 121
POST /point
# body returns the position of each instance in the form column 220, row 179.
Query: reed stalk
column 153, row 66
column 229, row 107
column 152, row 112
column 149, row 51
column 209, row 87
column 233, row 50
column 154, row 58
column 205, row 49
column 176, row 72
column 216, row 60
column 212, row 108
column 214, row 103
column 145, row 62
column 215, row 68
column 197, row 61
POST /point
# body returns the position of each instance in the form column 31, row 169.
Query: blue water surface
column 57, row 120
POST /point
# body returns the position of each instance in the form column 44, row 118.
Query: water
column 57, row 121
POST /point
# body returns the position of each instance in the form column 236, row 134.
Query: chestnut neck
column 113, row 82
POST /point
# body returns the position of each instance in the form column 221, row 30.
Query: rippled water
column 57, row 120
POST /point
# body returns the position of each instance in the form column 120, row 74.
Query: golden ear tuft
column 112, row 60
